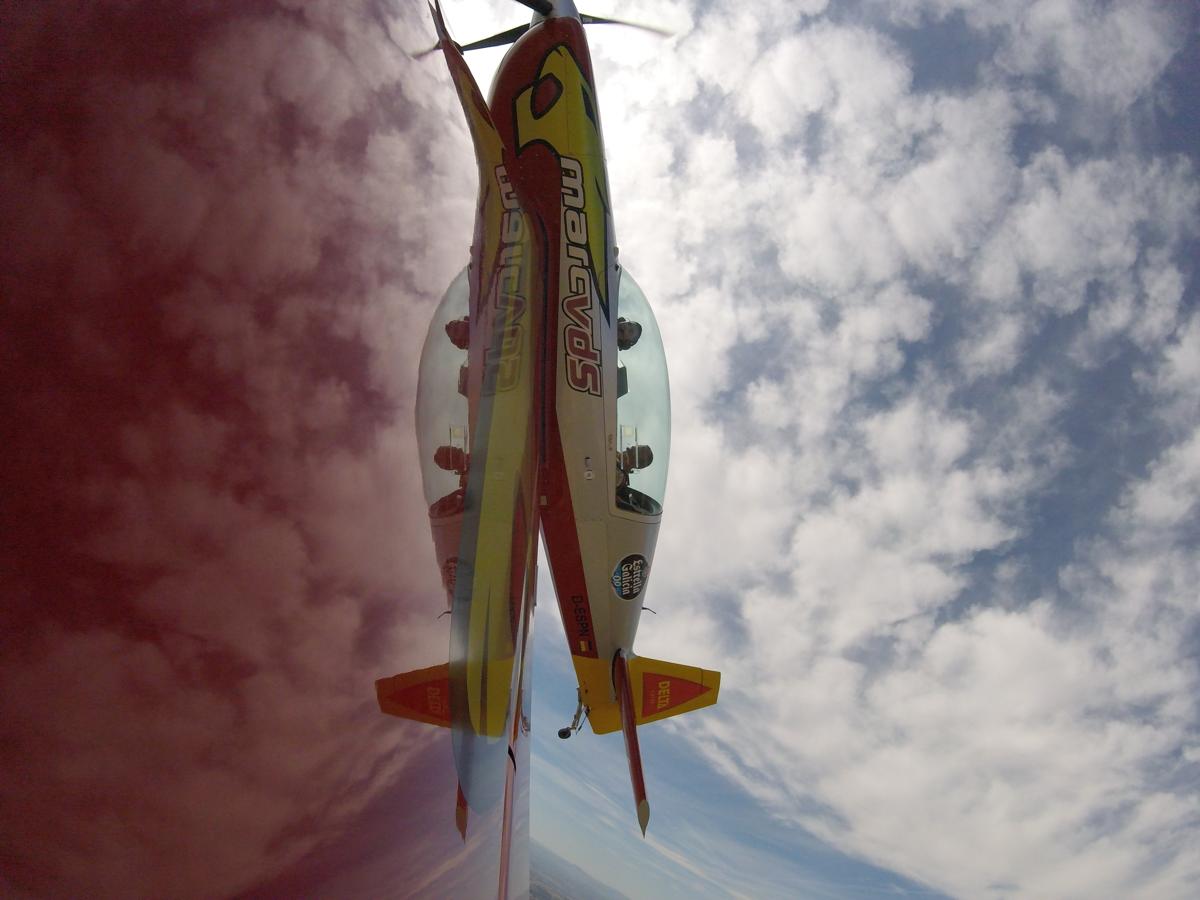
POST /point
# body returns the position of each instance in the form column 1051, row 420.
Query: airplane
column 543, row 405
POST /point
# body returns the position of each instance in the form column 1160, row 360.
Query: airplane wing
column 489, row 147
column 487, row 527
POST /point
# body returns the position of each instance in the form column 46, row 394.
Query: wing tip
column 643, row 811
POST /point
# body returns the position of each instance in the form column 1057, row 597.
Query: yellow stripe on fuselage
column 571, row 127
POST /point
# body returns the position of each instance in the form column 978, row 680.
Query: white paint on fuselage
column 607, row 534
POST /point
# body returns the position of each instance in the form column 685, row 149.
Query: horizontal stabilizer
column 663, row 689
column 422, row 695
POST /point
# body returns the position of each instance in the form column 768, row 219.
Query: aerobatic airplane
column 542, row 403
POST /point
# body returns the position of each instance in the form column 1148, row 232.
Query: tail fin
column 663, row 689
column 422, row 695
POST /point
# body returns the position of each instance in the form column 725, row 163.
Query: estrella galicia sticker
column 629, row 577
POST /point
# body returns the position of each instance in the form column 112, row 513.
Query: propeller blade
column 598, row 20
column 496, row 40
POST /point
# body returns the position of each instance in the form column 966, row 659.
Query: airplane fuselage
column 600, row 550
column 542, row 403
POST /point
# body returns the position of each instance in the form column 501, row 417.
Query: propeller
column 545, row 8
column 600, row 20
column 496, row 40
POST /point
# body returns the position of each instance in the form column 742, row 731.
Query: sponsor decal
column 629, row 577
column 581, row 615
column 508, row 298
column 431, row 698
column 435, row 701
column 661, row 692
column 579, row 291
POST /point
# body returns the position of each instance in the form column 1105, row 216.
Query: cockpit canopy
column 643, row 408
column 442, row 414
column 643, row 439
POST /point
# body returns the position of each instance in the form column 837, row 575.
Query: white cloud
column 1111, row 54
column 1176, row 377
column 1108, row 54
column 863, row 525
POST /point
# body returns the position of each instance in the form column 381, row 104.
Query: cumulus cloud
column 944, row 569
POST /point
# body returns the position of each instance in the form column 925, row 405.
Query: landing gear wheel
column 580, row 712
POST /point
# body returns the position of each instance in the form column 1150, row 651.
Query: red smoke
column 215, row 275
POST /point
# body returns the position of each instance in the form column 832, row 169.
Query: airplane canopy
column 643, row 403
column 644, row 409
column 442, row 414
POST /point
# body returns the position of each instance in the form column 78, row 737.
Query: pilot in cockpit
column 637, row 456
column 457, row 460
column 459, row 332
column 628, row 333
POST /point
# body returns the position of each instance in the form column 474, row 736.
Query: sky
column 926, row 278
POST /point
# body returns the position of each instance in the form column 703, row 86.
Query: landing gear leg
column 577, row 722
